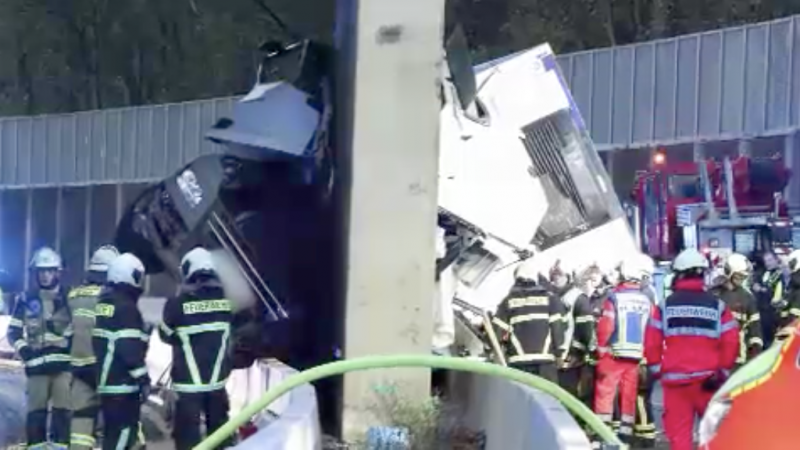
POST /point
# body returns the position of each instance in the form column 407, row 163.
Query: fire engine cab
column 718, row 207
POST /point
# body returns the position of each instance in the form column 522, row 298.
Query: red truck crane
column 716, row 206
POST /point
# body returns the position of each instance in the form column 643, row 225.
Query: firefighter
column 82, row 302
column 40, row 331
column 577, row 375
column 644, row 429
column 620, row 343
column 692, row 343
column 120, row 345
column 559, row 281
column 792, row 307
column 742, row 305
column 197, row 323
column 768, row 290
column 530, row 321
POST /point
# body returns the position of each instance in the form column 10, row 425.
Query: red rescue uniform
column 620, row 347
column 692, row 343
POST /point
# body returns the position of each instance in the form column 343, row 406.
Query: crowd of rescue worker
column 84, row 350
column 608, row 338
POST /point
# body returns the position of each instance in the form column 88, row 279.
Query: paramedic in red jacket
column 692, row 343
column 620, row 343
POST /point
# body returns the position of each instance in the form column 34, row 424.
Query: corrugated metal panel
column 726, row 84
column 103, row 147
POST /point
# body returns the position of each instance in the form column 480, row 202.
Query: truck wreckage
column 518, row 177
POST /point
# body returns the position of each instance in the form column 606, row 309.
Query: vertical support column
column 119, row 202
column 59, row 218
column 790, row 157
column 389, row 56
column 699, row 151
column 87, row 231
column 28, row 251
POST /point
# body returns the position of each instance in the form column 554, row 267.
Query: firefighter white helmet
column 526, row 270
column 717, row 277
column 736, row 264
column 46, row 258
column 197, row 260
column 126, row 269
column 793, row 261
column 637, row 267
column 102, row 257
column 690, row 259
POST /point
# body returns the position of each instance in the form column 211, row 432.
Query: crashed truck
column 519, row 177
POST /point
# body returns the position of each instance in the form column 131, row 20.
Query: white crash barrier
column 290, row 423
column 515, row 416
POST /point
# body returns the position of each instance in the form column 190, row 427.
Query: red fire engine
column 728, row 205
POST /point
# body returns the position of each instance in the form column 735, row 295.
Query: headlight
column 715, row 413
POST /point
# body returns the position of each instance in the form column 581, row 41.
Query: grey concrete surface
column 389, row 112
column 12, row 406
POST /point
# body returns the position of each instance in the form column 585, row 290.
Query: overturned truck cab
column 264, row 204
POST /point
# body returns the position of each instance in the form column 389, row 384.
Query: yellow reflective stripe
column 140, row 372
column 166, row 329
column 555, row 318
column 194, row 388
column 20, row 344
column 532, row 357
column 223, row 350
column 122, row 442
column 794, row 311
column 81, row 362
column 529, row 317
column 125, row 389
column 128, row 333
column 500, row 324
column 14, row 322
column 777, row 296
column 83, row 440
column 584, row 319
column 34, row 362
column 85, row 291
column 83, row 312
column 185, row 333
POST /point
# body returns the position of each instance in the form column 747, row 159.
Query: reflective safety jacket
column 692, row 336
column 120, row 342
column 197, row 324
column 744, row 307
column 40, row 331
column 622, row 326
column 579, row 339
column 82, row 302
column 773, row 281
column 530, row 320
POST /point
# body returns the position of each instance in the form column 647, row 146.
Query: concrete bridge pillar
column 698, row 151
column 389, row 65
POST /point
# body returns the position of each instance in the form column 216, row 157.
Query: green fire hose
column 392, row 361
